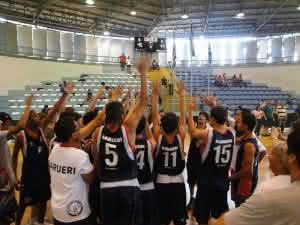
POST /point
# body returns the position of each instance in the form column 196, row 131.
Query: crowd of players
column 117, row 167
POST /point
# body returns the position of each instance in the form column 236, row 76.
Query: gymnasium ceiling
column 159, row 17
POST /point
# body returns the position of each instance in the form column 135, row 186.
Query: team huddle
column 121, row 167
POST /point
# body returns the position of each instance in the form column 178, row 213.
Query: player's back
column 216, row 160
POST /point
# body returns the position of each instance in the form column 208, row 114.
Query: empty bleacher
column 197, row 82
column 48, row 92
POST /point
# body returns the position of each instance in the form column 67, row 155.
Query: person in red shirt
column 122, row 61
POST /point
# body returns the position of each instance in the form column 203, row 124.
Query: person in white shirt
column 275, row 207
column 7, row 176
column 71, row 171
column 279, row 165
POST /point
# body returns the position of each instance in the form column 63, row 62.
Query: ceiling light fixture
column 240, row 15
column 298, row 7
column 90, row 2
column 184, row 16
column 106, row 33
column 133, row 13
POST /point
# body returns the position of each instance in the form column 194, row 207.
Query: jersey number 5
column 110, row 150
column 223, row 154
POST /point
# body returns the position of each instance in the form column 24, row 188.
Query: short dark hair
column 219, row 113
column 76, row 116
column 64, row 128
column 114, row 112
column 89, row 116
column 205, row 114
column 248, row 119
column 141, row 126
column 293, row 142
column 169, row 122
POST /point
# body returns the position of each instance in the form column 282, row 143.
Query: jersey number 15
column 223, row 154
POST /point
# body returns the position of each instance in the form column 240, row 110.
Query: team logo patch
column 74, row 208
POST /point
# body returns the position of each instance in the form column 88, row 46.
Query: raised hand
column 100, row 92
column 180, row 88
column 115, row 93
column 143, row 65
column 69, row 88
column 156, row 88
column 28, row 101
column 211, row 101
column 191, row 106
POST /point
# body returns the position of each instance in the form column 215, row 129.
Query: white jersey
column 69, row 191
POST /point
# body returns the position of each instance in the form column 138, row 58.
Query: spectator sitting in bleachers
column 234, row 80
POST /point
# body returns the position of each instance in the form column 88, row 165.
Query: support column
column 297, row 48
column 251, row 54
column 289, row 48
column 79, row 47
column 39, row 42
column 91, row 48
column 8, row 38
column 276, row 50
column 66, row 45
column 24, row 36
column 53, row 44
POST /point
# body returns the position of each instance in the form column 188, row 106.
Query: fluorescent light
column 106, row 33
column 298, row 7
column 133, row 13
column 131, row 38
column 90, row 2
column 184, row 16
column 240, row 15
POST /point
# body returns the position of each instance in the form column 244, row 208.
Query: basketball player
column 35, row 174
column 194, row 157
column 245, row 178
column 8, row 179
column 169, row 161
column 213, row 182
column 115, row 144
column 145, row 146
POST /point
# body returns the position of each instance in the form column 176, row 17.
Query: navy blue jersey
column 216, row 160
column 144, row 160
column 246, row 185
column 35, row 171
column 117, row 162
column 35, row 156
column 169, row 159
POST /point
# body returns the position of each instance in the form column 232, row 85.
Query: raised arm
column 154, row 109
column 149, row 135
column 139, row 109
column 23, row 121
column 91, row 126
column 182, row 116
column 116, row 93
column 99, row 94
column 68, row 90
column 194, row 132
